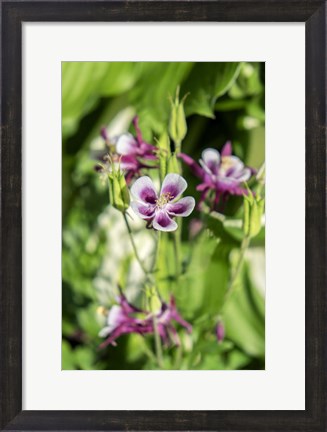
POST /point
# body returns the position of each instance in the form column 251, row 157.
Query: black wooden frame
column 13, row 14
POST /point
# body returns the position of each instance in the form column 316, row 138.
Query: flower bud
column 118, row 190
column 253, row 211
column 153, row 300
column 177, row 122
column 163, row 154
column 173, row 164
column 155, row 304
column 220, row 331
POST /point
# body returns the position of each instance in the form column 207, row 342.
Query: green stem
column 177, row 251
column 155, row 323
column 148, row 351
column 134, row 245
column 157, row 341
column 244, row 246
column 156, row 253
column 260, row 177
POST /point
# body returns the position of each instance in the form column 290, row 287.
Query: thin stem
column 260, row 177
column 157, row 341
column 156, row 253
column 134, row 245
column 148, row 352
column 155, row 323
column 177, row 248
column 244, row 246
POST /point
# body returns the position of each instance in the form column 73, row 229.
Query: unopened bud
column 118, row 190
column 220, row 331
column 104, row 133
column 153, row 299
column 177, row 122
column 253, row 211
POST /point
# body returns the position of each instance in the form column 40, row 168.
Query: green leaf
column 244, row 322
column 216, row 279
column 158, row 81
column 83, row 83
column 67, row 360
column 190, row 293
column 248, row 82
column 84, row 358
column 206, row 83
column 87, row 321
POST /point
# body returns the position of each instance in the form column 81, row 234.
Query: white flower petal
column 143, row 189
column 183, row 207
column 126, row 144
column 174, row 185
column 210, row 160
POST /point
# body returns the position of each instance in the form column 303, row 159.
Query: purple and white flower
column 121, row 320
column 161, row 209
column 167, row 314
column 128, row 145
column 124, row 318
column 132, row 153
column 220, row 172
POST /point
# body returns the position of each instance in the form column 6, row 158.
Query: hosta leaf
column 244, row 322
column 83, row 83
column 150, row 97
column 207, row 82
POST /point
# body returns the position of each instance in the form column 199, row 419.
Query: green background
column 225, row 102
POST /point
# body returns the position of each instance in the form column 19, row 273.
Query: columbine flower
column 124, row 318
column 133, row 153
column 167, row 314
column 128, row 145
column 160, row 209
column 222, row 172
column 121, row 320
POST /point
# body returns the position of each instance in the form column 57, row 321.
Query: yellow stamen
column 164, row 199
column 226, row 162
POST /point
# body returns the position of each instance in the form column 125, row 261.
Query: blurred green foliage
column 225, row 102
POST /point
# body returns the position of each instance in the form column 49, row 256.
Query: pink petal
column 227, row 149
column 126, row 144
column 173, row 184
column 162, row 222
column 194, row 166
column 129, row 163
column 144, row 190
column 183, row 207
column 144, row 211
column 176, row 315
column 137, row 129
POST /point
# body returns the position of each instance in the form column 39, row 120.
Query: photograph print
column 163, row 216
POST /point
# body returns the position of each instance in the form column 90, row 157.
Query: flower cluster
column 125, row 318
column 221, row 173
column 132, row 153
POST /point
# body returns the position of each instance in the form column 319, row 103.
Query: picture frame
column 14, row 13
